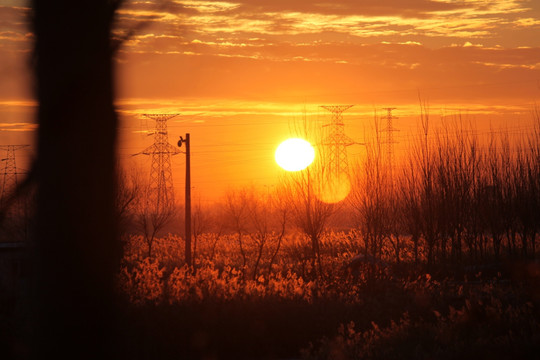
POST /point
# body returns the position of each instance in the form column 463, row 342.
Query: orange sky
column 239, row 72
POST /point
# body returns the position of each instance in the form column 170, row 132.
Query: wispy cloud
column 18, row 127
column 294, row 49
column 288, row 31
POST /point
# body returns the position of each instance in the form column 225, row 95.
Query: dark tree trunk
column 77, row 247
column 274, row 254
column 259, row 256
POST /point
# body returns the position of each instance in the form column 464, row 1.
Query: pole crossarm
column 337, row 111
column 160, row 149
column 162, row 117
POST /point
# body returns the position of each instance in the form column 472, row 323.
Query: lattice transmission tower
column 389, row 130
column 161, row 182
column 9, row 181
column 337, row 142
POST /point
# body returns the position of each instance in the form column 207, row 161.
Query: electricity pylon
column 389, row 130
column 337, row 142
column 9, row 182
column 161, row 183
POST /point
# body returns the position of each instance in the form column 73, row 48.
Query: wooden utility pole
column 187, row 199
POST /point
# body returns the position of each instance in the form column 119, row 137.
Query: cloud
column 505, row 66
column 18, row 127
column 527, row 22
column 236, row 23
column 329, row 71
column 15, row 35
column 289, row 48
column 208, row 6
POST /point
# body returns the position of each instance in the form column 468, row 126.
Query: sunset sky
column 240, row 72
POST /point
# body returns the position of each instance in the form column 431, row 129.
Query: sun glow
column 334, row 190
column 294, row 154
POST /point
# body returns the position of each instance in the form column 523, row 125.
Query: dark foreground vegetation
column 357, row 308
column 441, row 264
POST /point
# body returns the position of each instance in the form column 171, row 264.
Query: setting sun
column 294, row 154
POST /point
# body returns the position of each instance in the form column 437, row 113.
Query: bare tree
column 303, row 190
column 237, row 214
column 369, row 201
column 260, row 218
column 397, row 225
column 369, row 197
column 267, row 223
column 281, row 215
column 424, row 163
column 410, row 209
column 151, row 218
column 534, row 176
column 309, row 214
column 491, row 196
column 456, row 163
column 525, row 183
column 128, row 195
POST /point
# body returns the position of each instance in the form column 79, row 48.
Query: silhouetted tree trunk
column 76, row 235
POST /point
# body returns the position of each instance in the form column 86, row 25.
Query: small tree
column 237, row 217
column 151, row 217
column 309, row 214
column 281, row 215
column 260, row 218
column 303, row 191
column 369, row 197
column 410, row 209
column 127, row 196
column 423, row 160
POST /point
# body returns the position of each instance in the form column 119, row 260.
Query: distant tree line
column 458, row 194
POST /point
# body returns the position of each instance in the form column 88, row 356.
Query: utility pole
column 188, row 197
